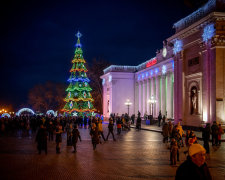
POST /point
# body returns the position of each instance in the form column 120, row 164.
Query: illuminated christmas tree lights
column 78, row 99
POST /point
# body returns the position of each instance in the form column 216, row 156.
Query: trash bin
column 148, row 122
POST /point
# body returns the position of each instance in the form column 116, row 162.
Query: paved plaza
column 134, row 155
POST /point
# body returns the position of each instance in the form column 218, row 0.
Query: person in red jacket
column 220, row 132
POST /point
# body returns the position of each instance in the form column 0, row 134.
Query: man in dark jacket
column 75, row 136
column 215, row 130
column 41, row 139
column 165, row 132
column 159, row 118
column 110, row 127
column 194, row 167
column 206, row 136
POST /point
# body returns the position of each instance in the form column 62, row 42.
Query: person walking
column 94, row 135
column 173, row 151
column 206, row 137
column 159, row 118
column 181, row 132
column 100, row 129
column 215, row 131
column 138, row 122
column 69, row 129
column 194, row 167
column 110, row 127
column 187, row 137
column 50, row 131
column 170, row 129
column 220, row 132
column 75, row 136
column 165, row 132
column 132, row 118
column 41, row 139
column 119, row 125
column 58, row 138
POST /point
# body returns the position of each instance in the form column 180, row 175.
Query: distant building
column 186, row 78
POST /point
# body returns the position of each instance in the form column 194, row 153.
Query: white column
column 144, row 98
column 104, row 100
column 173, row 102
column 169, row 101
column 110, row 107
column 136, row 101
column 140, row 95
column 163, row 94
column 153, row 93
column 158, row 107
column 148, row 95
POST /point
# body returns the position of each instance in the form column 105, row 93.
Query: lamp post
column 152, row 101
column 128, row 103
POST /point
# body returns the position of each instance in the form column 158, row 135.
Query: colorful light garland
column 79, row 99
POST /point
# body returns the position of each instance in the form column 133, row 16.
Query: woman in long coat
column 94, row 136
column 75, row 136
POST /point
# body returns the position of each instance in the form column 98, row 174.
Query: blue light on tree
column 178, row 46
column 78, row 34
column 78, row 79
column 78, row 44
column 71, row 105
column 208, row 32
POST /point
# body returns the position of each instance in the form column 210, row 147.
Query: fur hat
column 196, row 148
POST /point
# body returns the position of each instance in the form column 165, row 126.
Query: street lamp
column 128, row 103
column 152, row 101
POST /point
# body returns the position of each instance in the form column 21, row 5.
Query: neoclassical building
column 186, row 78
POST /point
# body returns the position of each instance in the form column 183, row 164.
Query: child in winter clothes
column 192, row 139
column 173, row 141
column 173, row 151
column 119, row 125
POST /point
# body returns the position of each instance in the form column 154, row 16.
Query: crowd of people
column 175, row 133
column 45, row 128
column 195, row 166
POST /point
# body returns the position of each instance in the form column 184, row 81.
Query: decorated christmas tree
column 79, row 99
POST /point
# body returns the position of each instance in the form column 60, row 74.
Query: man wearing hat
column 194, row 167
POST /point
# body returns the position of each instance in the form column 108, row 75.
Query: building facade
column 186, row 78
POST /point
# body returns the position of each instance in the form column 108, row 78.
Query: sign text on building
column 151, row 62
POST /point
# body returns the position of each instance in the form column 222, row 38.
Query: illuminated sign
column 151, row 62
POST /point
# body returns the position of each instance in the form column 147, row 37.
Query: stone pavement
column 136, row 155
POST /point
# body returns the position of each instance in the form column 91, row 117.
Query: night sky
column 37, row 39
